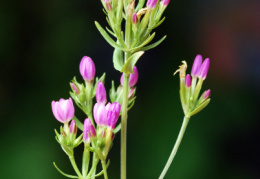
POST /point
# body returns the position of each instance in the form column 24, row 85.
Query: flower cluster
column 190, row 86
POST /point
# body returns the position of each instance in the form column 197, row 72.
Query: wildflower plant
column 102, row 122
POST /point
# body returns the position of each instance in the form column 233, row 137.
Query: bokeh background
column 42, row 43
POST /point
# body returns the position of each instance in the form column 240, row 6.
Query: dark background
column 42, row 43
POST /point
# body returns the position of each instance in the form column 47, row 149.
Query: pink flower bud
column 73, row 127
column 204, row 69
column 151, row 4
column 63, row 110
column 100, row 114
column 196, row 66
column 131, row 93
column 133, row 78
column 165, row 2
column 101, row 95
column 135, row 18
column 207, row 94
column 113, row 114
column 75, row 89
column 109, row 7
column 87, row 68
column 88, row 131
column 188, row 81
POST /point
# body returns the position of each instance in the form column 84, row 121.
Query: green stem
column 74, row 165
column 92, row 171
column 89, row 104
column 124, row 127
column 103, row 162
column 176, row 146
column 85, row 161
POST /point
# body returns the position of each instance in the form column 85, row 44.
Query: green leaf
column 66, row 175
column 130, row 63
column 154, row 44
column 112, row 33
column 198, row 109
column 78, row 123
column 159, row 23
column 107, row 37
column 117, row 128
column 118, row 60
column 149, row 39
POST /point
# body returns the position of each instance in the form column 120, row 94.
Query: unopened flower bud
column 101, row 95
column 151, row 4
column 187, row 81
column 131, row 93
column 87, row 68
column 109, row 7
column 73, row 127
column 133, row 78
column 196, row 66
column 135, row 19
column 63, row 110
column 206, row 94
column 113, row 114
column 204, row 69
column 100, row 114
column 165, row 2
column 88, row 131
column 74, row 88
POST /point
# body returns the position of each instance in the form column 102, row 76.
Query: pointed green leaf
column 118, row 60
column 66, row 175
column 159, row 23
column 149, row 39
column 130, row 63
column 198, row 109
column 106, row 36
column 112, row 33
column 154, row 44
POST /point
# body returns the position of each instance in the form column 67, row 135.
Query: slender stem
column 124, row 127
column 103, row 162
column 176, row 146
column 85, row 161
column 92, row 171
column 74, row 165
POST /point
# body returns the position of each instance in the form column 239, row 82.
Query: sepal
column 200, row 107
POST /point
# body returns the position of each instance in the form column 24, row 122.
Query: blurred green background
column 42, row 43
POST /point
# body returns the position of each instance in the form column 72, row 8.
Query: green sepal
column 112, row 33
column 78, row 123
column 78, row 141
column 159, row 23
column 198, row 109
column 131, row 103
column 130, row 63
column 67, row 150
column 66, row 175
column 112, row 92
column 149, row 39
column 118, row 60
column 153, row 45
column 107, row 37
column 117, row 128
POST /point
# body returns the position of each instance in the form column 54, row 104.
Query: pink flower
column 87, row 68
column 151, row 4
column 204, row 69
column 63, row 110
column 188, row 81
column 113, row 114
column 133, row 78
column 88, row 131
column 196, row 66
column 207, row 94
column 165, row 2
column 101, row 95
column 100, row 114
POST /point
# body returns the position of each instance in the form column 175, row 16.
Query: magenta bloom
column 87, row 68
column 204, row 69
column 100, row 114
column 113, row 114
column 188, row 81
column 63, row 110
column 133, row 78
column 207, row 94
column 101, row 95
column 165, row 2
column 88, row 131
column 151, row 4
column 73, row 127
column 109, row 7
column 135, row 18
column 196, row 66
